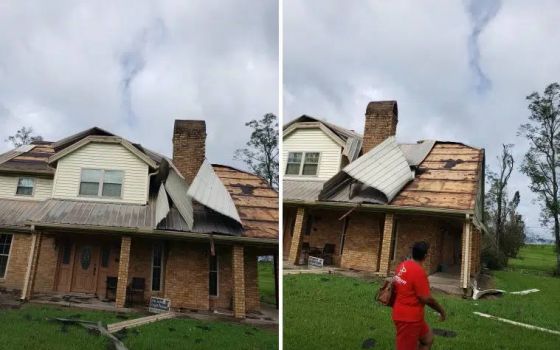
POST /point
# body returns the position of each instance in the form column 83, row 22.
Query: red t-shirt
column 410, row 282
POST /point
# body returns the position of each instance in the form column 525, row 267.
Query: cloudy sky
column 132, row 67
column 460, row 70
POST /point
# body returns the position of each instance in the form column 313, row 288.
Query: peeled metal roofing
column 384, row 168
column 162, row 205
column 208, row 189
column 177, row 189
column 302, row 190
column 415, row 153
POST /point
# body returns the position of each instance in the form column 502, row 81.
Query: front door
column 85, row 268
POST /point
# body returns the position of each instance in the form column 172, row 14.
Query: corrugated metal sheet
column 415, row 153
column 208, row 189
column 352, row 148
column 356, row 192
column 384, row 168
column 162, row 205
column 15, row 213
column 302, row 190
column 177, row 189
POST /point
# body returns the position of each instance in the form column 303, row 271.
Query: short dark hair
column 420, row 250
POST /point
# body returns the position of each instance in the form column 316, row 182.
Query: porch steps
column 115, row 327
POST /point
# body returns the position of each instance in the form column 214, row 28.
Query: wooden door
column 65, row 265
column 85, row 267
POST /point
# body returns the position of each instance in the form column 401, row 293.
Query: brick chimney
column 189, row 146
column 381, row 122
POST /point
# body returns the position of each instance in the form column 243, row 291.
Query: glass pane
column 157, row 255
column 156, row 278
column 67, row 250
column 113, row 176
column 91, row 175
column 89, row 188
column 292, row 169
column 309, row 169
column 105, row 252
column 25, row 182
column 213, row 263
column 25, row 191
column 111, row 190
column 85, row 258
column 312, row 158
column 294, row 157
column 213, row 283
column 3, row 263
column 5, row 242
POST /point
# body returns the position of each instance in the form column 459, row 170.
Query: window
column 213, row 275
column 105, row 253
column 25, row 186
column 157, row 264
column 5, row 243
column 101, row 183
column 66, row 253
column 302, row 163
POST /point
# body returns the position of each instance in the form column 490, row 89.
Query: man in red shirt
column 412, row 292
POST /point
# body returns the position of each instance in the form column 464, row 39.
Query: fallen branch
column 517, row 323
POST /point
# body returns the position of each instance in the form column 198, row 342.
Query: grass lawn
column 29, row 328
column 335, row 312
column 266, row 282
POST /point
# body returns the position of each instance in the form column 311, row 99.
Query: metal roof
column 15, row 213
column 177, row 189
column 415, row 153
column 208, row 189
column 302, row 190
column 384, row 168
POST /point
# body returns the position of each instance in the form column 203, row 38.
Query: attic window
column 101, row 183
column 302, row 163
column 25, row 186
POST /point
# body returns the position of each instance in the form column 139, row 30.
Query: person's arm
column 432, row 303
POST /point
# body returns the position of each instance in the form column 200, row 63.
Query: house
column 360, row 202
column 97, row 214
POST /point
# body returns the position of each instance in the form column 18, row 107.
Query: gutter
column 382, row 207
column 151, row 233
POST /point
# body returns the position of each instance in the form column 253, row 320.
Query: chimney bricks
column 380, row 123
column 189, row 147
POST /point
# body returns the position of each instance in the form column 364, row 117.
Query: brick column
column 123, row 272
column 297, row 236
column 33, row 259
column 466, row 243
column 385, row 261
column 238, row 281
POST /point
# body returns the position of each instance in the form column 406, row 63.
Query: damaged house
column 99, row 215
column 361, row 201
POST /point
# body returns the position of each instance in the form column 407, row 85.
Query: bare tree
column 497, row 193
column 261, row 153
column 541, row 161
column 23, row 136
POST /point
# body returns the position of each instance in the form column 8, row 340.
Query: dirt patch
column 9, row 300
column 368, row 343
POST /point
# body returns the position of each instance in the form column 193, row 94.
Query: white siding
column 8, row 186
column 313, row 140
column 102, row 156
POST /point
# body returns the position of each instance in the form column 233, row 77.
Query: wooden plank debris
column 115, row 327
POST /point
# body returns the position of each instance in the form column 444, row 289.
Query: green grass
column 30, row 328
column 266, row 282
column 534, row 259
column 327, row 311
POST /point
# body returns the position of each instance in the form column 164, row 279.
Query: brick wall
column 252, row 296
column 289, row 220
column 46, row 265
column 475, row 250
column 140, row 264
column 186, row 275
column 386, row 243
column 17, row 262
column 380, row 122
column 189, row 146
column 238, row 281
column 326, row 229
column 361, row 244
column 225, row 278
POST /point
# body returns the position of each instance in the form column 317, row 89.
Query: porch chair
column 111, row 286
column 136, row 287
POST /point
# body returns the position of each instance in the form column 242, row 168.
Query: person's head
column 420, row 250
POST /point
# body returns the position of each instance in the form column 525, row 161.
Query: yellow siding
column 313, row 140
column 8, row 186
column 102, row 156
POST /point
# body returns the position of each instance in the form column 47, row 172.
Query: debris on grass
column 478, row 293
column 93, row 327
column 525, row 325
column 368, row 343
column 444, row 333
column 525, row 292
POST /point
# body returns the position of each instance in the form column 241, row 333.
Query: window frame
column 302, row 164
column 3, row 276
column 160, row 245
column 101, row 183
column 32, row 189
column 217, row 272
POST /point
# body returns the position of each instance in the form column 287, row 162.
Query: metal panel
column 162, row 205
column 302, row 190
column 178, row 190
column 415, row 153
column 208, row 189
column 384, row 168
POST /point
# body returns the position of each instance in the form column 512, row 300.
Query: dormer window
column 101, row 183
column 302, row 163
column 25, row 186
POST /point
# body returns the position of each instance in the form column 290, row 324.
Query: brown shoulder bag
column 386, row 294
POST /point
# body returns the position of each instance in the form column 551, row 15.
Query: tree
column 261, row 153
column 541, row 161
column 23, row 136
column 514, row 228
column 497, row 193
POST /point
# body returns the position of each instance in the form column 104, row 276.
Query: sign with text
column 315, row 262
column 158, row 305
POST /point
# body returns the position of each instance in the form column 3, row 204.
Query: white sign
column 159, row 305
column 315, row 262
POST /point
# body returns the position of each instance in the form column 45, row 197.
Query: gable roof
column 103, row 139
column 349, row 140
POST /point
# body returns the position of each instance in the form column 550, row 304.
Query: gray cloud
column 340, row 55
column 133, row 67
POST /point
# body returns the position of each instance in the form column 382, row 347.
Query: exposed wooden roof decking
column 256, row 201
